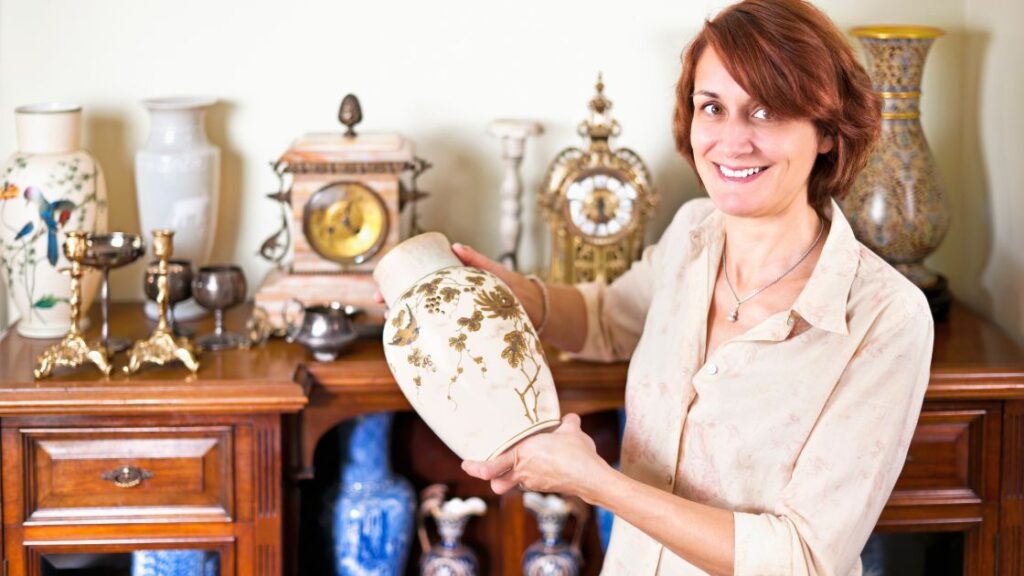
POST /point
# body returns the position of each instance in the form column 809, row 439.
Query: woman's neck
column 761, row 248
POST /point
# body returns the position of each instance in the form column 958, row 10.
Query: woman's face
column 751, row 162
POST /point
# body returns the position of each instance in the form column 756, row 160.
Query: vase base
column 536, row 428
column 939, row 298
column 48, row 332
column 183, row 311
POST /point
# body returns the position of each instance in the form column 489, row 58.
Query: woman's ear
column 825, row 143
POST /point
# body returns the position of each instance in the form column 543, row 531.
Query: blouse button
column 790, row 321
column 668, row 479
column 712, row 369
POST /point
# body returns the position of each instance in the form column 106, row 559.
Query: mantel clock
column 341, row 195
column 597, row 202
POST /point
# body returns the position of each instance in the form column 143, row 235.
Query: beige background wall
column 438, row 72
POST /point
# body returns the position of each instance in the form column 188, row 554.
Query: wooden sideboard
column 207, row 449
column 233, row 449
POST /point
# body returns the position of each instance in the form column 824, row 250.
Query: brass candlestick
column 162, row 346
column 72, row 351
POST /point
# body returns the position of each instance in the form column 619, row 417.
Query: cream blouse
column 800, row 426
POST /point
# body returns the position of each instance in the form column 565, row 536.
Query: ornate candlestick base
column 162, row 346
column 72, row 351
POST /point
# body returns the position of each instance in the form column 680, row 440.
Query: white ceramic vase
column 463, row 350
column 48, row 186
column 177, row 178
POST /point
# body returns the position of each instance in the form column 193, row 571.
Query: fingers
column 503, row 484
column 571, row 422
column 473, row 258
column 490, row 469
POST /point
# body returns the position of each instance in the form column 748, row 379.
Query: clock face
column 601, row 206
column 345, row 222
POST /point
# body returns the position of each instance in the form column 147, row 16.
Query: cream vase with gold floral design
column 463, row 350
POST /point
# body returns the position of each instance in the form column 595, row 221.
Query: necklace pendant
column 735, row 314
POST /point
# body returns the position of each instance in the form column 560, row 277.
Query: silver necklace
column 735, row 314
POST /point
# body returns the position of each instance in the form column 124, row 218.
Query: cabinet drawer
column 945, row 461
column 101, row 475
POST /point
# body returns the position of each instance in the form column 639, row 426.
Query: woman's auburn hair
column 788, row 55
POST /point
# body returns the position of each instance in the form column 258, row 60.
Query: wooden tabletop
column 238, row 381
column 973, row 359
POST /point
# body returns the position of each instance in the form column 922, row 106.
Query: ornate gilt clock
column 597, row 202
column 341, row 196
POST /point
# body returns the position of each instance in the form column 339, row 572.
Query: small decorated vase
column 551, row 556
column 449, row 557
column 49, row 186
column 372, row 517
column 463, row 350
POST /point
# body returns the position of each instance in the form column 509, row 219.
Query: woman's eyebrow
column 704, row 93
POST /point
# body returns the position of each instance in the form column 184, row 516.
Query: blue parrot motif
column 54, row 214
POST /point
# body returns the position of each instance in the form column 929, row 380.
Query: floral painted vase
column 897, row 206
column 175, row 563
column 463, row 350
column 550, row 556
column 449, row 557
column 372, row 515
column 48, row 186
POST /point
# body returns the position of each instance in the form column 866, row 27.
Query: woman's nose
column 736, row 137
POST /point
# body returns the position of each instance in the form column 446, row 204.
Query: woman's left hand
column 564, row 461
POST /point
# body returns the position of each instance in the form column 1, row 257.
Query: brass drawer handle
column 128, row 477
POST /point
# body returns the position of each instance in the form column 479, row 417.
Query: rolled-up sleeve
column 616, row 312
column 852, row 458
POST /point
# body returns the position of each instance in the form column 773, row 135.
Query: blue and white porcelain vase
column 551, row 556
column 450, row 557
column 175, row 563
column 373, row 511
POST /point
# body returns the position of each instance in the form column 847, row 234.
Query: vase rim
column 179, row 102
column 898, row 31
column 49, row 108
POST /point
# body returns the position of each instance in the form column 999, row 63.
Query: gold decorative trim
column 900, row 95
column 892, row 32
column 900, row 115
column 538, row 427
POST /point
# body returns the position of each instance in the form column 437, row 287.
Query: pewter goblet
column 218, row 288
column 105, row 252
column 179, row 286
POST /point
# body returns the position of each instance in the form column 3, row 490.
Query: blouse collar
column 823, row 301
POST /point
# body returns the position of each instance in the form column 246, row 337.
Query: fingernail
column 457, row 246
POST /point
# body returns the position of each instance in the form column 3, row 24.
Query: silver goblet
column 104, row 252
column 218, row 288
column 179, row 286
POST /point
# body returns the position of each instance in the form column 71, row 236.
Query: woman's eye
column 762, row 114
column 712, row 109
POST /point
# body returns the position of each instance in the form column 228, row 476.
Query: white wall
column 438, row 72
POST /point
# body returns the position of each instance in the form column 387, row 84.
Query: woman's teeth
column 744, row 173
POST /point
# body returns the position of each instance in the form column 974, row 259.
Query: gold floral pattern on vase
column 898, row 205
column 468, row 359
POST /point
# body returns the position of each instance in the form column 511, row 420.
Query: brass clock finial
column 600, row 126
column 350, row 114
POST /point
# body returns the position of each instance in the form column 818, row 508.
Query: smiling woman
column 778, row 367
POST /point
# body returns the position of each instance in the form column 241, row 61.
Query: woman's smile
column 740, row 174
